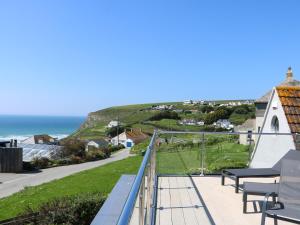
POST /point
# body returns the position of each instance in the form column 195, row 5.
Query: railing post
column 202, row 155
column 142, row 203
column 149, row 184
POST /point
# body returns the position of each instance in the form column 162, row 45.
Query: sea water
column 22, row 127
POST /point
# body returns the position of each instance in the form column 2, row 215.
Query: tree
column 207, row 109
column 165, row 115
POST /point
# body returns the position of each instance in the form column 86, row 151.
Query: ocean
column 22, row 127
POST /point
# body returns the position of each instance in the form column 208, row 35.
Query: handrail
column 220, row 133
column 125, row 216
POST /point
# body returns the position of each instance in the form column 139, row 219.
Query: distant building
column 113, row 123
column 187, row 102
column 282, row 115
column 247, row 127
column 223, row 123
column 101, row 143
column 40, row 139
column 188, row 122
column 162, row 107
column 129, row 138
column 200, row 123
column 191, row 122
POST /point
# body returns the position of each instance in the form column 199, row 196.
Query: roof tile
column 290, row 100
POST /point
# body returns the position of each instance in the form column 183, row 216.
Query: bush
column 68, row 210
column 114, row 131
column 76, row 159
column 41, row 162
column 74, row 147
column 114, row 148
column 165, row 115
column 28, row 166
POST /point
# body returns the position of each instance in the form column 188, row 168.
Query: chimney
column 15, row 143
column 11, row 143
column 289, row 74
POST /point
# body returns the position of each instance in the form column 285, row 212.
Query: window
column 275, row 124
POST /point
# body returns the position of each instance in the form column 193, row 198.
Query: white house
column 113, row 123
column 282, row 116
column 129, row 138
column 96, row 144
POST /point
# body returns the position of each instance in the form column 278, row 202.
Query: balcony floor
column 179, row 203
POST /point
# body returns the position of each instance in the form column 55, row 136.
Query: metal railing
column 141, row 201
column 143, row 189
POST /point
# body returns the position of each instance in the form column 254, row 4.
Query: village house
column 40, row 139
column 191, row 122
column 129, row 138
column 187, row 102
column 282, row 116
column 100, row 143
column 223, row 123
column 162, row 107
column 113, row 123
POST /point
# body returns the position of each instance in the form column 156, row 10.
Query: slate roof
column 290, row 101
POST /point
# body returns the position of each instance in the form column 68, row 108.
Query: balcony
column 179, row 183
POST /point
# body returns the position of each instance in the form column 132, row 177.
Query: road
column 12, row 183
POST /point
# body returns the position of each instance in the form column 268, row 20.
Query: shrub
column 114, row 148
column 68, row 210
column 165, row 115
column 74, row 147
column 41, row 162
column 113, row 131
column 28, row 166
column 76, row 159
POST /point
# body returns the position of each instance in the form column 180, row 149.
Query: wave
column 23, row 137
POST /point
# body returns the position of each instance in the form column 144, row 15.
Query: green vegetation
column 185, row 157
column 97, row 180
column 142, row 116
column 70, row 210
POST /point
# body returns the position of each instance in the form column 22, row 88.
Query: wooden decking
column 186, row 200
column 178, row 203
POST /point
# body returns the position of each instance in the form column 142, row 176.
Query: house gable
column 270, row 148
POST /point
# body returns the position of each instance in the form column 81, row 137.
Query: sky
column 60, row 57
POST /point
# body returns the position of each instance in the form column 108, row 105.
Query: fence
column 186, row 153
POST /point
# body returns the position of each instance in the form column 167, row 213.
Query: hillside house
column 282, row 116
column 101, row 143
column 113, row 123
column 40, row 139
column 129, row 138
column 223, row 123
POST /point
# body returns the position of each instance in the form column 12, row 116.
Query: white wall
column 270, row 148
column 29, row 140
column 122, row 139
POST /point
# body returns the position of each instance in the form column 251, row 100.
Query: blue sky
column 72, row 57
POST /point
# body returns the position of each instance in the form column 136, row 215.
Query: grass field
column 100, row 180
column 188, row 160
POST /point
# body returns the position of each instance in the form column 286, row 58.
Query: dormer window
column 275, row 124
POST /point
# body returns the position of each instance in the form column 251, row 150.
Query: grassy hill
column 129, row 115
column 138, row 116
